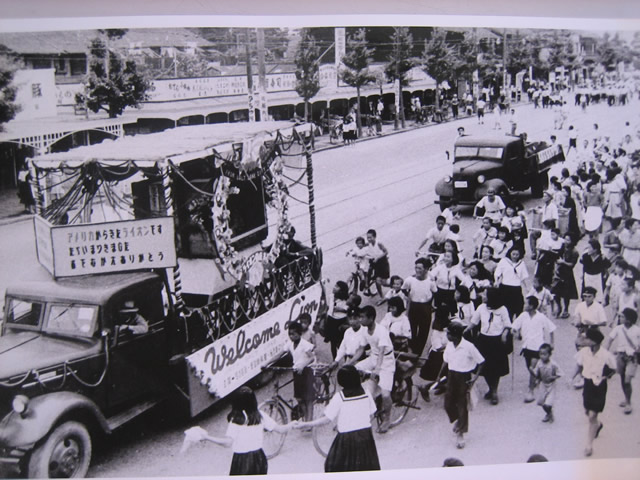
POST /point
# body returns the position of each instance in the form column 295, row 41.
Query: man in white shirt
column 381, row 362
column 532, row 328
column 464, row 363
column 352, row 341
column 436, row 236
column 596, row 364
column 493, row 206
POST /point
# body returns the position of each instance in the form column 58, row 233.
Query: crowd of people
column 574, row 258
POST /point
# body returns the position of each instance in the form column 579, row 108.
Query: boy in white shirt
column 625, row 340
column 302, row 353
column 352, row 341
column 532, row 328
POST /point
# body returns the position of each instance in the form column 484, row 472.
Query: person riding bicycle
column 436, row 236
column 362, row 257
column 302, row 353
column 380, row 362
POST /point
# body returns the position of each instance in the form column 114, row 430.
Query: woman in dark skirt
column 563, row 285
column 510, row 277
column 245, row 434
column 354, row 448
column 494, row 324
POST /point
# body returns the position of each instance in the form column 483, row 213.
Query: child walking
column 245, row 434
column 545, row 373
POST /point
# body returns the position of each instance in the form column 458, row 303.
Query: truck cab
column 69, row 370
column 505, row 163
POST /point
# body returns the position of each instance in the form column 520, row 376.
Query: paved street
column 386, row 184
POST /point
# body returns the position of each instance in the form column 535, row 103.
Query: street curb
column 12, row 220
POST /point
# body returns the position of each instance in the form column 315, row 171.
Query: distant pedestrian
column 480, row 105
column 24, row 190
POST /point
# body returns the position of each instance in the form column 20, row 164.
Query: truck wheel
column 539, row 184
column 65, row 453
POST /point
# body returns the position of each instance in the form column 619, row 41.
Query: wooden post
column 312, row 208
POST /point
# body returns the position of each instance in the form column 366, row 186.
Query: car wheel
column 64, row 453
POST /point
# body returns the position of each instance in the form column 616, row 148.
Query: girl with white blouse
column 510, row 277
column 245, row 434
column 494, row 323
column 351, row 409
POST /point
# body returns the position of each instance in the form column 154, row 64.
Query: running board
column 123, row 417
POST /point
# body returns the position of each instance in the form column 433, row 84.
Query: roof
column 76, row 41
column 179, row 144
column 486, row 140
column 89, row 289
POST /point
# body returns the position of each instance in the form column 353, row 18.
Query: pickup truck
column 506, row 163
column 68, row 372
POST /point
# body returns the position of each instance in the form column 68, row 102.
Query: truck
column 71, row 368
column 505, row 163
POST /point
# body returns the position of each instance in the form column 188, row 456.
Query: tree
column 113, row 82
column 520, row 54
column 8, row 67
column 356, row 72
column 400, row 62
column 438, row 60
column 307, row 70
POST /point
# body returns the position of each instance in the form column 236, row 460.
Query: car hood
column 21, row 352
column 470, row 167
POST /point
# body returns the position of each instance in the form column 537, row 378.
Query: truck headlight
column 481, row 179
column 447, row 179
column 20, row 404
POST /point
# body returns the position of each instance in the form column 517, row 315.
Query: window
column 72, row 319
column 487, row 153
column 23, row 313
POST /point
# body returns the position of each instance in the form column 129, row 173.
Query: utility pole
column 262, row 76
column 252, row 110
column 504, row 63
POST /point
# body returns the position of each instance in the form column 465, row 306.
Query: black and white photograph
column 285, row 245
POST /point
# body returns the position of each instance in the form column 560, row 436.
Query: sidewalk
column 12, row 211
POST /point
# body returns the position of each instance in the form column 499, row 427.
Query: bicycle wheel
column 404, row 397
column 323, row 435
column 353, row 283
column 273, row 440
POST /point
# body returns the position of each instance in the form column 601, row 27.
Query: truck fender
column 43, row 412
column 496, row 183
column 444, row 189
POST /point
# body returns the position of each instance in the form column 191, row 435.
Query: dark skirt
column 250, row 463
column 432, row 366
column 353, row 452
column 381, row 268
column 594, row 397
column 512, row 299
column 564, row 285
column 303, row 385
column 445, row 298
column 496, row 360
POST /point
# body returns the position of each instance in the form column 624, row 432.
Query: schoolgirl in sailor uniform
column 510, row 276
column 354, row 448
column 245, row 434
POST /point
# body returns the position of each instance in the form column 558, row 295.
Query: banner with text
column 70, row 250
column 236, row 358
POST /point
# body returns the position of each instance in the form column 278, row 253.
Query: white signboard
column 70, row 250
column 236, row 358
column 66, row 93
column 36, row 93
column 341, row 45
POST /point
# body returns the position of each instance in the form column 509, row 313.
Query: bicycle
column 404, row 396
column 282, row 410
column 361, row 281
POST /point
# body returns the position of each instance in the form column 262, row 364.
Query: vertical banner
column 341, row 48
column 396, row 89
column 252, row 104
column 263, row 106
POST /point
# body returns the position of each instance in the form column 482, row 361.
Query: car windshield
column 485, row 153
column 71, row 319
column 23, row 313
